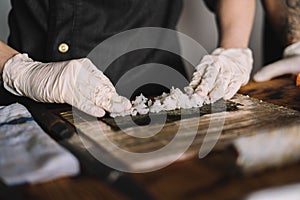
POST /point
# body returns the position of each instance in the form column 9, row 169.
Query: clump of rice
column 176, row 99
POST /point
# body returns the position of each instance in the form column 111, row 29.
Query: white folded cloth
column 288, row 192
column 269, row 148
column 27, row 153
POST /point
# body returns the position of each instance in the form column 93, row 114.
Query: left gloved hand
column 221, row 74
column 290, row 64
column 77, row 82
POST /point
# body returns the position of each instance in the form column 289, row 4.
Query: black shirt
column 39, row 27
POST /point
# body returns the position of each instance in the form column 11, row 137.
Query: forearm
column 6, row 53
column 284, row 15
column 235, row 20
column 292, row 25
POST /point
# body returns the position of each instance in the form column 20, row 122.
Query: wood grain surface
column 213, row 177
column 252, row 117
column 281, row 91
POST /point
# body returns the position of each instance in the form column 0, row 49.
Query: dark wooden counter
column 208, row 178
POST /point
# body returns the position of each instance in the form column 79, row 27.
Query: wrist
column 237, row 44
column 6, row 53
column 233, row 51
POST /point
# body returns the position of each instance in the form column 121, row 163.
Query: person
column 45, row 58
column 282, row 39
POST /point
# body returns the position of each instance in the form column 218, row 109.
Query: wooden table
column 191, row 179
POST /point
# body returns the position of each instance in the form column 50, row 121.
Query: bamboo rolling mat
column 148, row 147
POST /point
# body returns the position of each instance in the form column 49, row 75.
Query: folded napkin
column 288, row 192
column 27, row 153
column 269, row 149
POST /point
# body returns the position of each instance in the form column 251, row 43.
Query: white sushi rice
column 176, row 99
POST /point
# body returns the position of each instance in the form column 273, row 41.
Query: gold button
column 63, row 48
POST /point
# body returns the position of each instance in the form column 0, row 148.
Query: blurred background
column 196, row 21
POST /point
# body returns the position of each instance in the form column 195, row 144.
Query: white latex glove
column 76, row 82
column 290, row 64
column 221, row 74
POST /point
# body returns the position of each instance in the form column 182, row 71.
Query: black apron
column 41, row 27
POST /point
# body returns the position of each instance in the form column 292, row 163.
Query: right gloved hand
column 76, row 82
column 221, row 74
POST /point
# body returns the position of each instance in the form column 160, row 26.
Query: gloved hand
column 290, row 64
column 221, row 74
column 76, row 82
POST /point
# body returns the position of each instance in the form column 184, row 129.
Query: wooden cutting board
column 191, row 134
